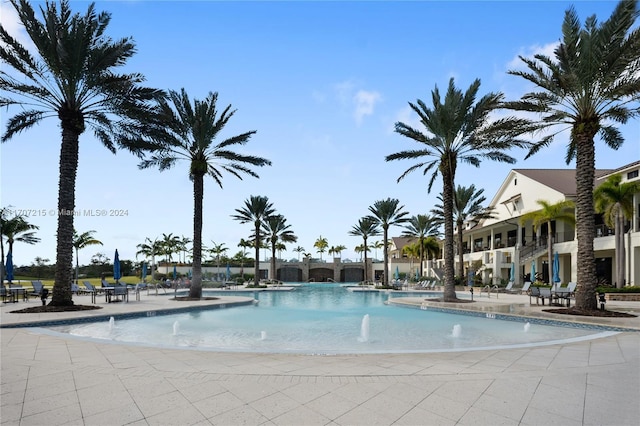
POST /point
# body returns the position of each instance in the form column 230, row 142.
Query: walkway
column 51, row 380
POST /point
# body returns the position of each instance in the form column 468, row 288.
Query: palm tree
column 321, row 245
column 376, row 246
column 590, row 83
column 73, row 77
column 244, row 244
column 255, row 211
column 276, row 230
column 187, row 131
column 81, row 241
column 421, row 227
column 560, row 211
column 149, row 249
column 339, row 249
column 184, row 248
column 467, row 205
column 386, row 213
column 457, row 130
column 299, row 250
column 14, row 229
column 216, row 251
column 169, row 245
column 615, row 200
column 413, row 251
column 360, row 248
column 366, row 227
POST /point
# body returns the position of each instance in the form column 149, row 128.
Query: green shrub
column 630, row 289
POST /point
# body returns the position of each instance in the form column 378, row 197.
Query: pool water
column 326, row 319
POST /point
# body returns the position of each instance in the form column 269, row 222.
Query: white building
column 491, row 246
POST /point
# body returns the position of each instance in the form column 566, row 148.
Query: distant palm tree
column 560, row 211
column 217, row 251
column 467, row 205
column 169, row 245
column 71, row 76
column 276, row 229
column 616, row 201
column 149, row 249
column 590, row 84
column 339, row 249
column 457, row 130
column 419, row 228
column 360, row 248
column 387, row 212
column 243, row 244
column 321, row 245
column 81, row 241
column 299, row 250
column 366, row 227
column 184, row 247
column 15, row 228
column 187, row 131
column 376, row 246
column 255, row 211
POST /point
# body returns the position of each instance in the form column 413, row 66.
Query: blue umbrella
column 228, row 272
column 417, row 274
column 189, row 274
column 8, row 267
column 556, row 268
column 533, row 270
column 396, row 275
column 175, row 272
column 512, row 275
column 116, row 267
column 144, row 271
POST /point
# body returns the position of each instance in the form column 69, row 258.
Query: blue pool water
column 326, row 319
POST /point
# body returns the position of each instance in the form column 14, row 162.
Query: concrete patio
column 50, row 380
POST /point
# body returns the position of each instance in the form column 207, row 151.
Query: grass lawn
column 26, row 281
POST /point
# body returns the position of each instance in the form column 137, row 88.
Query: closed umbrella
column 8, row 267
column 556, row 268
column 144, row 271
column 396, row 275
column 417, row 274
column 512, row 275
column 116, row 267
column 533, row 270
column 175, row 272
column 228, row 272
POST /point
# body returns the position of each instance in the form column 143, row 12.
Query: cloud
column 11, row 23
column 365, row 103
column 528, row 52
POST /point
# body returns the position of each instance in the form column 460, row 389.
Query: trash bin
column 44, row 295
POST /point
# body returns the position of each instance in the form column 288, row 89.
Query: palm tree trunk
column 619, row 250
column 549, row 253
column 195, row 290
column 256, row 268
column 585, row 221
column 460, row 253
column 385, row 256
column 421, row 255
column 66, row 204
column 447, row 208
column 366, row 269
column 273, row 260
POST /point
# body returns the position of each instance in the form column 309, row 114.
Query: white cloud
column 528, row 52
column 11, row 23
column 365, row 102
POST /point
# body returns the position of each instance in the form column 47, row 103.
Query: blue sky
column 322, row 83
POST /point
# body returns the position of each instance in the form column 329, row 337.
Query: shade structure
column 556, row 268
column 8, row 267
column 533, row 270
column 144, row 271
column 396, row 275
column 228, row 272
column 116, row 266
column 512, row 274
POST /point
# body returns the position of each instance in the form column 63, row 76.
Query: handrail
column 488, row 288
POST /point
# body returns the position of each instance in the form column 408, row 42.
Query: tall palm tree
column 457, row 130
column 387, row 212
column 321, row 245
column 217, row 251
column 81, row 241
column 276, row 229
column 255, row 211
column 72, row 77
column 467, row 205
column 560, row 211
column 590, row 83
column 615, row 200
column 299, row 250
column 366, row 227
column 186, row 131
column 421, row 227
column 15, row 228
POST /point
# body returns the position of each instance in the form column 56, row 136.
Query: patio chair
column 534, row 292
column 5, row 294
column 37, row 288
column 121, row 292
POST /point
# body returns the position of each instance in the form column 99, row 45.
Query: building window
column 633, row 174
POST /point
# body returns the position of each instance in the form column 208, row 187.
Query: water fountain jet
column 364, row 329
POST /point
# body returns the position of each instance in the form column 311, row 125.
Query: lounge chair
column 37, row 289
column 525, row 287
column 91, row 290
column 507, row 289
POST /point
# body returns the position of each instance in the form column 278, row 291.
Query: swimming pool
column 326, row 319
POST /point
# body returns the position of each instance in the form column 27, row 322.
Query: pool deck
column 51, row 380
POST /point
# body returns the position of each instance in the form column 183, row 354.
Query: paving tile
column 301, row 415
column 417, row 416
column 55, row 415
column 243, row 415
